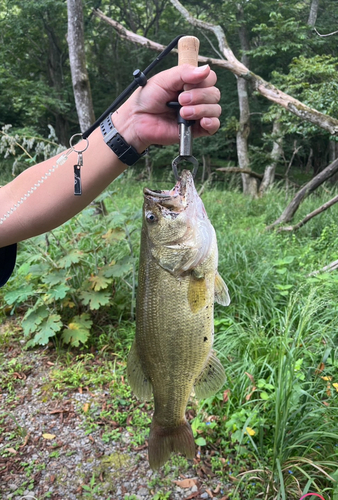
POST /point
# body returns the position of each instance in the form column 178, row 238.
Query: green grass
column 273, row 428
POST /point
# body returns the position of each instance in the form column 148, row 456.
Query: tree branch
column 330, row 267
column 291, row 209
column 238, row 170
column 310, row 216
column 266, row 89
column 232, row 64
column 328, row 34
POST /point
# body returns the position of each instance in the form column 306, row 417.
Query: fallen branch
column 232, row 64
column 238, row 170
column 313, row 184
column 310, row 216
column 330, row 267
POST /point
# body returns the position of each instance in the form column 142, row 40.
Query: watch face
column 7, row 262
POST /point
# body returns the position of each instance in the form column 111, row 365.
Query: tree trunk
column 77, row 60
column 249, row 182
column 291, row 209
column 56, row 59
column 277, row 150
column 243, row 132
column 313, row 13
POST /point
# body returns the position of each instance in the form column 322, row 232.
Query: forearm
column 54, row 201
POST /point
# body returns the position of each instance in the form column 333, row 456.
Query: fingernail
column 207, row 122
column 185, row 98
column 200, row 69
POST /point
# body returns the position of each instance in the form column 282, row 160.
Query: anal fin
column 211, row 379
column 137, row 379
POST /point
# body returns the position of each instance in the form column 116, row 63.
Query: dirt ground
column 47, row 450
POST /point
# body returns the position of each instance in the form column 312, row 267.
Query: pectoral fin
column 211, row 379
column 137, row 379
column 221, row 291
column 198, row 294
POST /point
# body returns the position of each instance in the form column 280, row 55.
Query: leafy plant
column 85, row 267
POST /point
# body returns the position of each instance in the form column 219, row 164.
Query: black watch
column 124, row 151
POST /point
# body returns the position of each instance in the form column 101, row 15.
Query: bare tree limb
column 291, row 209
column 328, row 34
column 264, row 88
column 232, row 64
column 310, row 216
column 127, row 34
column 330, row 267
column 277, row 151
column 238, row 170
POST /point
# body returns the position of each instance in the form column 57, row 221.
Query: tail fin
column 164, row 440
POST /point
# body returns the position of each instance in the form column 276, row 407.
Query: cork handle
column 188, row 50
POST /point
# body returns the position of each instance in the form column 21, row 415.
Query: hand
column 145, row 118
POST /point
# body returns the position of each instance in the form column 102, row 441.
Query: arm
column 142, row 120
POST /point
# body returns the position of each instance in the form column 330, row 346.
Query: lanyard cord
column 139, row 80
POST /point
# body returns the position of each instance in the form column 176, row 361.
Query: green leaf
column 73, row 257
column 39, row 269
column 200, row 441
column 287, row 260
column 48, row 329
column 95, row 299
column 23, row 269
column 33, row 318
column 55, row 277
column 19, row 295
column 121, row 268
column 283, row 287
column 264, row 395
column 58, row 292
column 78, row 330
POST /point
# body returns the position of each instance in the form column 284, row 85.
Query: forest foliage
column 36, row 89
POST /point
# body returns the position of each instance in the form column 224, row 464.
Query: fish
column 178, row 282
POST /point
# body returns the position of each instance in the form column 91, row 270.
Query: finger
column 200, row 111
column 210, row 125
column 176, row 78
column 210, row 95
column 206, row 126
column 209, row 81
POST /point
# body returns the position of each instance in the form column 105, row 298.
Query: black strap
column 124, row 151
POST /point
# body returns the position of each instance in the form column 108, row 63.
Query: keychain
column 77, row 167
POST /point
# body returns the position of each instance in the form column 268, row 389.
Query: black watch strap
column 126, row 153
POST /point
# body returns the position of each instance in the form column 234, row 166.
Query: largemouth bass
column 177, row 285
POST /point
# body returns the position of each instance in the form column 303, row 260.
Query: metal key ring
column 73, row 147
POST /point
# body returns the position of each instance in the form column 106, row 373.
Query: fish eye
column 151, row 218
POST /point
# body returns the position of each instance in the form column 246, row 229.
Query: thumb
column 174, row 79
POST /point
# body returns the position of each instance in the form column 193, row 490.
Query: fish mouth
column 175, row 198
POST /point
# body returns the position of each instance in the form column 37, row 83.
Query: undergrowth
column 272, row 430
